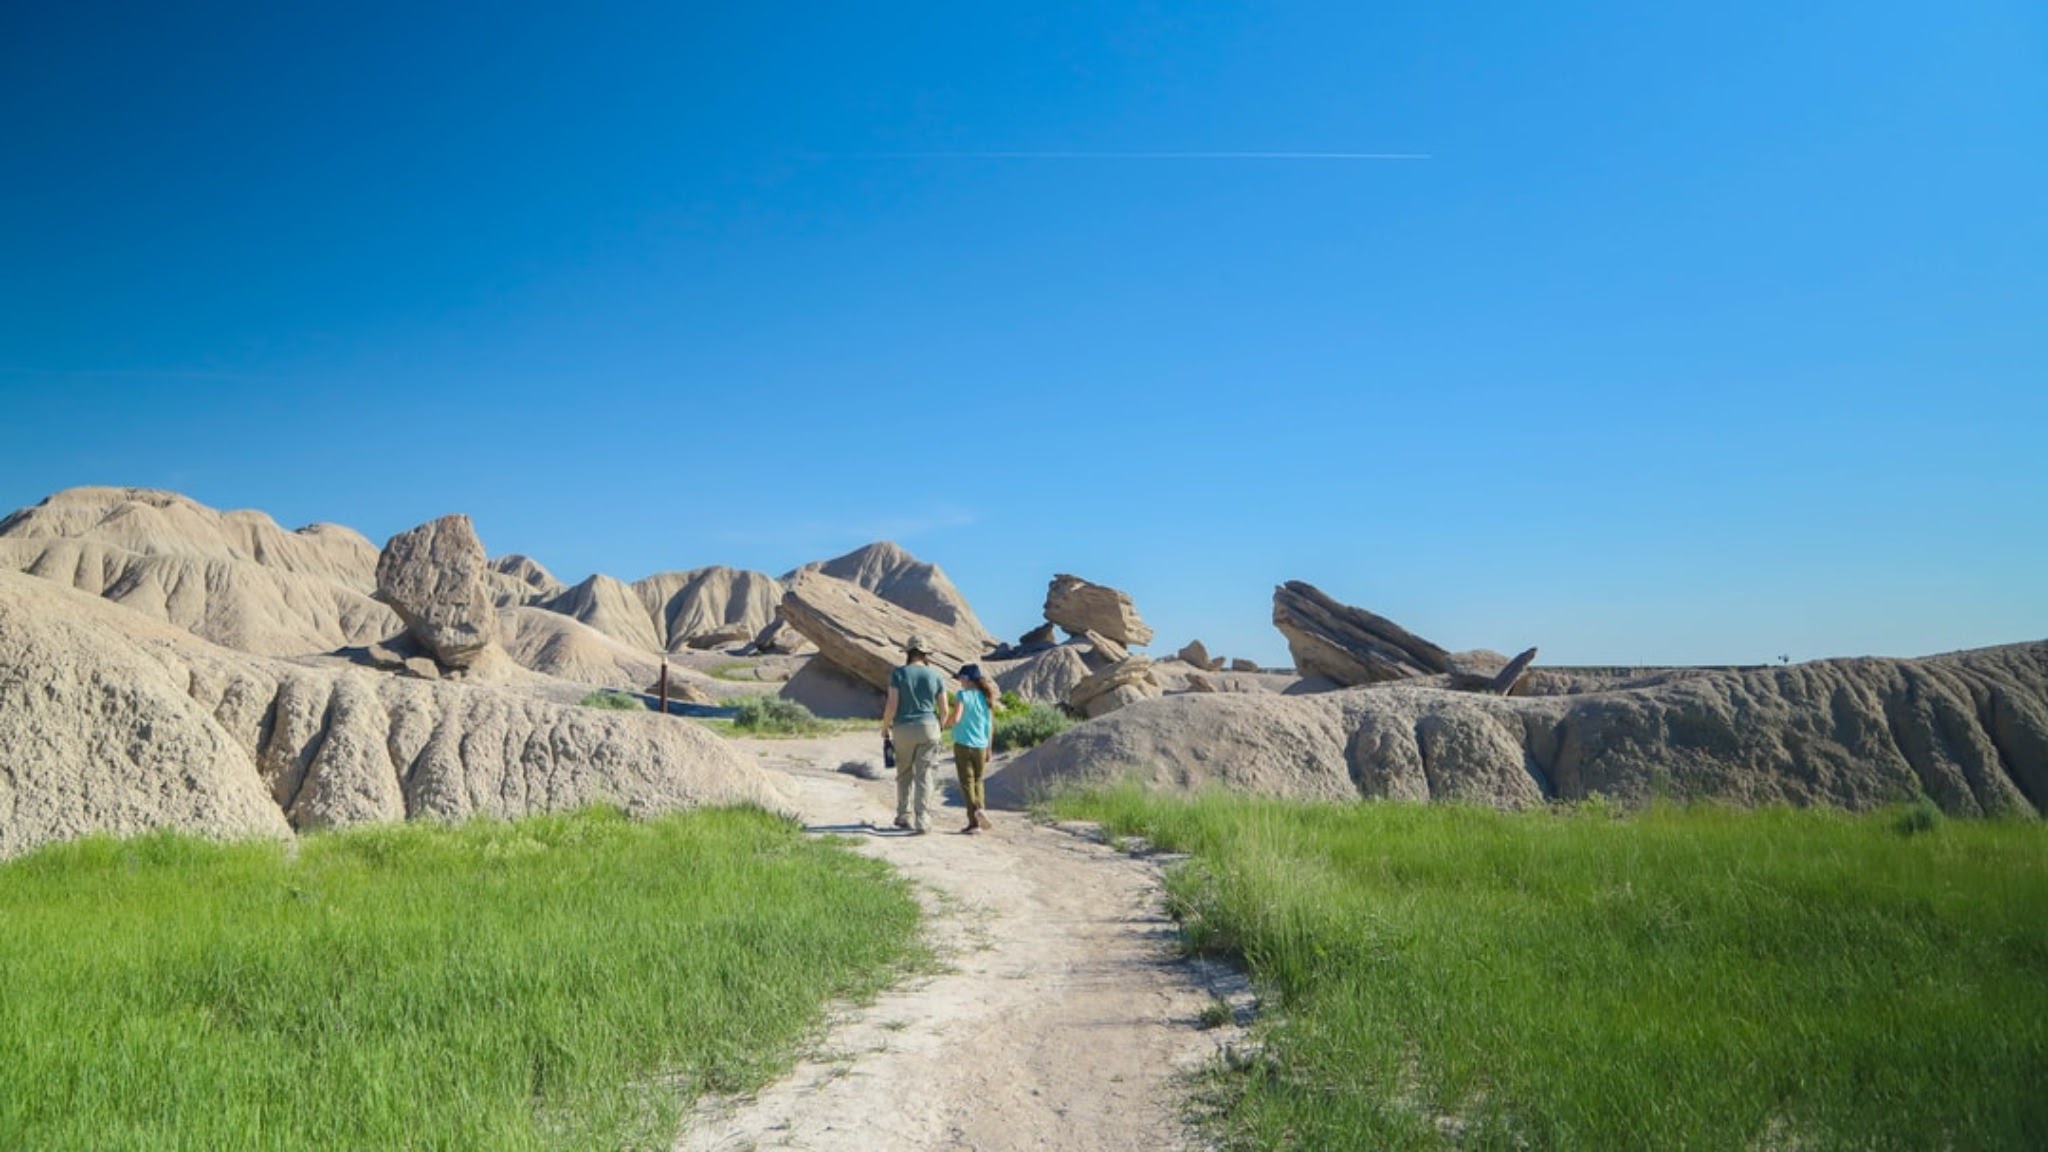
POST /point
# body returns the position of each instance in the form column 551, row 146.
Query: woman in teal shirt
column 973, row 723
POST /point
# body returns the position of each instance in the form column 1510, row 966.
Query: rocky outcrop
column 896, row 576
column 1079, row 606
column 862, row 634
column 609, row 606
column 1045, row 678
column 433, row 577
column 517, row 581
column 568, row 649
column 1346, row 644
column 117, row 723
column 709, row 607
column 779, row 639
column 234, row 578
column 1121, row 684
column 1969, row 730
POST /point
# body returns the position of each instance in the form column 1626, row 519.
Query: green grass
column 614, row 700
column 737, row 670
column 1441, row 976
column 560, row 982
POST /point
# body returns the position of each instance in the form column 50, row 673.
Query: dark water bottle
column 888, row 752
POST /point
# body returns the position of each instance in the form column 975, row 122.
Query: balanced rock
column 433, row 577
column 863, row 634
column 1349, row 645
column 1125, row 682
column 1079, row 606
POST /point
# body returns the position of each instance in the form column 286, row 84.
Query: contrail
column 1136, row 156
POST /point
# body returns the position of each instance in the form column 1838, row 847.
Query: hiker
column 973, row 724
column 911, row 713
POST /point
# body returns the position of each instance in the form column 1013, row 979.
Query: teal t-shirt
column 919, row 688
column 973, row 729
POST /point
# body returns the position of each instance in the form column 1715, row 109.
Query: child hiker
column 973, row 723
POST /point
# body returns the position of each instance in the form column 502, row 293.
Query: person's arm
column 959, row 700
column 889, row 710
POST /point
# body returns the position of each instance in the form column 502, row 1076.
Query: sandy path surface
column 1061, row 1019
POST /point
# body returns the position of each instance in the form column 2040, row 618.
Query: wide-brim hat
column 917, row 646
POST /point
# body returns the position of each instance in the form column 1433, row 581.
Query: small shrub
column 1216, row 1013
column 1922, row 815
column 773, row 716
column 1010, row 704
column 1029, row 728
column 615, row 700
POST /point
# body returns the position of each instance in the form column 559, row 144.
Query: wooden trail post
column 664, row 687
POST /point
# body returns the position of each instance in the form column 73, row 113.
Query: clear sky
column 1702, row 333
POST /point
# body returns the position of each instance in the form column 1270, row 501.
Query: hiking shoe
column 903, row 822
column 981, row 819
column 971, row 828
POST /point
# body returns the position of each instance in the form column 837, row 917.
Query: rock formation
column 1349, row 645
column 896, row 576
column 117, row 723
column 709, row 607
column 433, row 577
column 1969, row 730
column 234, row 578
column 610, row 607
column 863, row 634
column 1079, row 606
column 1045, row 678
column 518, row 580
column 1123, row 683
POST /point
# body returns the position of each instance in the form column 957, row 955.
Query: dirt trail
column 1061, row 1020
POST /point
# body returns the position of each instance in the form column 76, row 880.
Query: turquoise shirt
column 919, row 689
column 973, row 730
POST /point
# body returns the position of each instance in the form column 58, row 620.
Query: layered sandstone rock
column 1120, row 684
column 862, row 634
column 1080, row 606
column 610, row 607
column 117, row 723
column 1969, row 730
column 1346, row 644
column 433, row 576
column 709, row 607
column 517, row 581
column 894, row 575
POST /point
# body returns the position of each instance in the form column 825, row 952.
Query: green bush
column 1922, row 815
column 1010, row 704
column 1032, row 726
column 615, row 700
column 773, row 716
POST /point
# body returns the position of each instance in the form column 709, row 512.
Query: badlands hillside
column 165, row 664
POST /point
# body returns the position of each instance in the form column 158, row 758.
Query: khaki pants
column 970, row 764
column 917, row 754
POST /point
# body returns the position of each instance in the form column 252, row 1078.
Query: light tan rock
column 516, row 581
column 1045, row 678
column 1080, row 606
column 1194, row 652
column 688, row 607
column 896, row 576
column 862, row 634
column 433, row 577
column 1125, row 682
column 1346, row 644
column 116, row 723
column 612, row 608
column 1969, row 730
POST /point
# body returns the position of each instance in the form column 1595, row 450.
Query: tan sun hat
column 916, row 646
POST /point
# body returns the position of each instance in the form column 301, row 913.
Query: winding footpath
column 1061, row 1018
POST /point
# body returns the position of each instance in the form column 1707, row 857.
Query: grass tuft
column 566, row 981
column 1698, row 978
column 615, row 700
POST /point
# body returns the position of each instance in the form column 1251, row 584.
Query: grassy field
column 560, row 982
column 1707, row 979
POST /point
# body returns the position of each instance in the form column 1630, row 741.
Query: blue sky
column 1705, row 333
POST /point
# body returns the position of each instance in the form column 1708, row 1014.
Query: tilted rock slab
column 1968, row 730
column 1079, row 606
column 116, row 723
column 862, row 634
column 896, row 576
column 433, row 576
column 1349, row 645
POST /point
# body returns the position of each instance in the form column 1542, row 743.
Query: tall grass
column 1677, row 979
column 560, row 982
